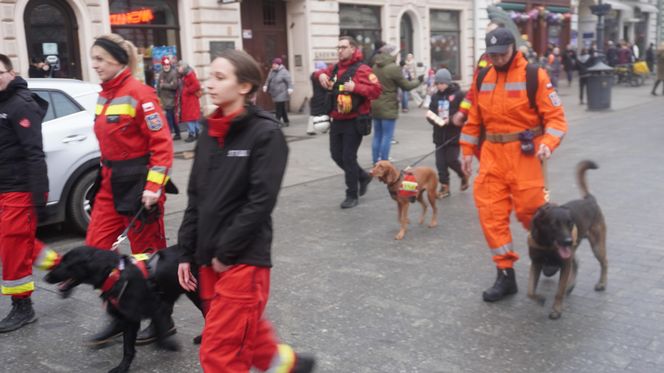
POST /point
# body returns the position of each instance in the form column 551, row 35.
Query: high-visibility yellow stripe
column 121, row 109
column 47, row 259
column 157, row 177
column 285, row 362
column 141, row 257
column 11, row 290
column 465, row 104
column 482, row 63
column 98, row 109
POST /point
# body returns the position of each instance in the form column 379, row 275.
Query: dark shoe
column 653, row 93
column 465, row 183
column 190, row 138
column 198, row 339
column 21, row 314
column 549, row 270
column 149, row 334
column 304, row 363
column 349, row 202
column 444, row 191
column 286, row 124
column 505, row 285
column 311, row 133
column 364, row 184
column 113, row 330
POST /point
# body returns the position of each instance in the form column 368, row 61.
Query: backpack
column 532, row 83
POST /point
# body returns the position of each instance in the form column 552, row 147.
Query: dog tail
column 581, row 168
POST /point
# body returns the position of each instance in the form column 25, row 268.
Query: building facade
column 439, row 33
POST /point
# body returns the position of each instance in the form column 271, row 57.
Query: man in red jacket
column 190, row 108
column 354, row 86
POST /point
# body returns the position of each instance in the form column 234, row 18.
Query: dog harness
column 408, row 186
column 140, row 261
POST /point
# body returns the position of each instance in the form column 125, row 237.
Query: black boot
column 304, row 363
column 21, row 314
column 505, row 285
column 149, row 334
column 364, row 184
column 113, row 330
column 349, row 202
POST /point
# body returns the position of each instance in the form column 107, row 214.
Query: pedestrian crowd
column 226, row 233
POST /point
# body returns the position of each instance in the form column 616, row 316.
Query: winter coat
column 190, row 107
column 318, row 104
column 278, row 83
column 22, row 159
column 168, row 88
column 386, row 106
column 660, row 64
column 455, row 96
column 232, row 191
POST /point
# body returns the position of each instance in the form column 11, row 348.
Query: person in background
column 625, row 55
column 385, row 109
column 167, row 88
column 280, row 86
column 611, row 54
column 38, row 68
column 227, row 226
column 650, row 57
column 660, row 70
column 554, row 65
column 190, row 106
column 377, row 45
column 409, row 73
column 444, row 105
column 569, row 63
column 23, row 191
column 585, row 60
column 319, row 120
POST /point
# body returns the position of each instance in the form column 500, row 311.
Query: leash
column 435, row 150
column 547, row 191
column 123, row 235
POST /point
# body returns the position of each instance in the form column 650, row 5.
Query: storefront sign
column 247, row 34
column 325, row 55
column 132, row 18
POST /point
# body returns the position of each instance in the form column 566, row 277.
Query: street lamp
column 600, row 10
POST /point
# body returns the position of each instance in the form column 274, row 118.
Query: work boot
column 21, row 314
column 465, row 183
column 113, row 330
column 349, row 202
column 505, row 285
column 444, row 191
column 149, row 334
column 364, row 184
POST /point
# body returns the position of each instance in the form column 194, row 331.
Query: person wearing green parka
column 385, row 109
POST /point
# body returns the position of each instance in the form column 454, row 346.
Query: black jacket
column 232, row 191
column 319, row 104
column 454, row 95
column 22, row 160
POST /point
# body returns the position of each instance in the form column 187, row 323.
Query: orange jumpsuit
column 507, row 178
column 130, row 125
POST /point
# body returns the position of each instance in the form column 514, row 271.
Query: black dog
column 132, row 290
column 555, row 234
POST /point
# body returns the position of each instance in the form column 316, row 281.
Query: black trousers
column 583, row 83
column 654, row 88
column 345, row 140
column 281, row 112
column 448, row 157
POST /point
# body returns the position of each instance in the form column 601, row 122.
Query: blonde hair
column 127, row 46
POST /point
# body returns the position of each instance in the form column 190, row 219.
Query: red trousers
column 236, row 337
column 18, row 245
column 106, row 224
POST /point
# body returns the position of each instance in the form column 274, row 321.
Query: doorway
column 264, row 37
column 406, row 36
column 51, row 30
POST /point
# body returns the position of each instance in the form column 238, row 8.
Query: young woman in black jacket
column 227, row 226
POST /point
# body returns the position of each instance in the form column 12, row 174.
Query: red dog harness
column 139, row 260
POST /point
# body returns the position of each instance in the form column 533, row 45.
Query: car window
column 50, row 114
column 63, row 105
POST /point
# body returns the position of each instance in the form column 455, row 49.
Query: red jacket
column 366, row 85
column 190, row 107
column 130, row 124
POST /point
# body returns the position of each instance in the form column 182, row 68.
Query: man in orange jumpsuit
column 518, row 139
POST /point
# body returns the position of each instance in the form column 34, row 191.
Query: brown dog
column 427, row 180
column 555, row 234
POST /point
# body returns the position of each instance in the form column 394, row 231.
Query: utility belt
column 524, row 137
column 139, row 161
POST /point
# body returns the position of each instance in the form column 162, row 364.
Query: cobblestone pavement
column 343, row 289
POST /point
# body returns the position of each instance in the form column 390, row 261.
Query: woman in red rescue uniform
column 136, row 156
column 227, row 227
column 510, row 174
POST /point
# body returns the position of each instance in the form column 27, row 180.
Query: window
column 362, row 23
column 59, row 104
column 445, row 41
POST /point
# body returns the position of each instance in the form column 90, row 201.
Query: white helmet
column 321, row 123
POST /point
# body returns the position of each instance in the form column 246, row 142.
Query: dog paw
column 555, row 315
column 119, row 369
column 433, row 224
column 399, row 236
column 168, row 345
column 600, row 287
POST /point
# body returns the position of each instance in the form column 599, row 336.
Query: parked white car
column 71, row 147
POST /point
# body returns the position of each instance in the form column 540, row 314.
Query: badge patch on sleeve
column 555, row 100
column 372, row 78
column 148, row 106
column 154, row 122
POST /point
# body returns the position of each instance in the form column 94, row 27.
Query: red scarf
column 219, row 124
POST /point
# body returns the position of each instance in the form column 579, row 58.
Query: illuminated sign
column 132, row 18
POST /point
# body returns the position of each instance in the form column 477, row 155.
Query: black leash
column 123, row 235
column 435, row 150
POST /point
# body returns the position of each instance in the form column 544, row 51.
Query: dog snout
column 567, row 241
